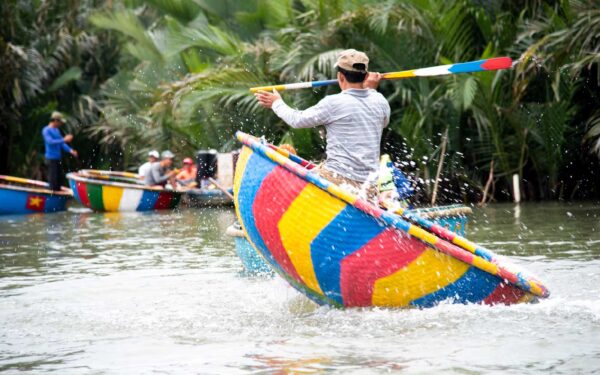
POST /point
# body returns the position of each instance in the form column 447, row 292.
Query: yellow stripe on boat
column 111, row 197
column 237, row 178
column 464, row 243
column 430, row 272
column 301, row 213
column 484, row 265
column 422, row 234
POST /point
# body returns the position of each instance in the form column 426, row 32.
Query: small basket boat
column 341, row 251
column 252, row 262
column 119, row 191
column 23, row 196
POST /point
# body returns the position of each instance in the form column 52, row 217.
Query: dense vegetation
column 134, row 75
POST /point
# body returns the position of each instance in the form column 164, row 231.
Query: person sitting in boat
column 354, row 120
column 187, row 175
column 160, row 172
column 153, row 157
column 55, row 144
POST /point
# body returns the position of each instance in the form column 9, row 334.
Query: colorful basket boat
column 342, row 251
column 23, row 196
column 119, row 191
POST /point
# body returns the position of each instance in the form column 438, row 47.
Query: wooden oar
column 496, row 63
column 220, row 187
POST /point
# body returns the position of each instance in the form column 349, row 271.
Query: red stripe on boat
column 82, row 193
column 270, row 203
column 367, row 207
column 362, row 269
column 504, row 294
column 442, row 232
column 497, row 63
column 163, row 201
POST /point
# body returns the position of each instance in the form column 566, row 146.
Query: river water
column 139, row 293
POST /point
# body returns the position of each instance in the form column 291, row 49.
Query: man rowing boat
column 354, row 120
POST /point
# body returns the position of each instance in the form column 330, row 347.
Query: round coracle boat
column 23, row 196
column 119, row 191
column 342, row 251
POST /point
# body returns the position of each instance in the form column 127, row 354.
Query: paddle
column 220, row 187
column 496, row 63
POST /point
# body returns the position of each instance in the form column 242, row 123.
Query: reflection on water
column 84, row 292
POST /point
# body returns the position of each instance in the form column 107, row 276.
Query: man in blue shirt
column 55, row 144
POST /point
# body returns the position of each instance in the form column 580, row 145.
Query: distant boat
column 119, row 191
column 206, row 197
column 23, row 196
column 340, row 250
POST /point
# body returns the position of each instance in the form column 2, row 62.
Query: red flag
column 35, row 202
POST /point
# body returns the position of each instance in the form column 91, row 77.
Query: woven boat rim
column 43, row 186
column 77, row 177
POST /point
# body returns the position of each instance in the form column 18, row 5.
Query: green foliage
column 185, row 67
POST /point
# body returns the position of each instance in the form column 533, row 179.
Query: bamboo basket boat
column 24, row 196
column 119, row 191
column 341, row 251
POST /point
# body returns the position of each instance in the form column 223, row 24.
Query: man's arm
column 66, row 148
column 47, row 135
column 309, row 118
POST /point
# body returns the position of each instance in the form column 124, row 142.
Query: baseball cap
column 353, row 61
column 166, row 154
column 57, row 116
column 154, row 154
column 188, row 161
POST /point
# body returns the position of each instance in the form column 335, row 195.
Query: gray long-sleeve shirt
column 354, row 120
column 156, row 175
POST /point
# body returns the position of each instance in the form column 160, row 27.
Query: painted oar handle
column 496, row 63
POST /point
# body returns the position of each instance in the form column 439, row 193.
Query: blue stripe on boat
column 13, row 202
column 73, row 186
column 473, row 286
column 326, row 258
column 148, row 200
column 474, row 66
column 55, row 203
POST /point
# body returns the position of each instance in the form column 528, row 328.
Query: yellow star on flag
column 35, row 202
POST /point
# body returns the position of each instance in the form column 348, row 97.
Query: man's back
column 354, row 126
column 155, row 175
column 354, row 120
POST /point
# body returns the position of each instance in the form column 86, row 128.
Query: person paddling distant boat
column 160, row 172
column 354, row 120
column 55, row 144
